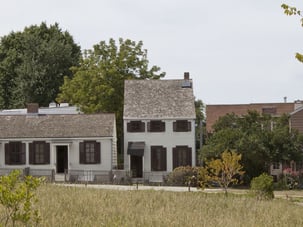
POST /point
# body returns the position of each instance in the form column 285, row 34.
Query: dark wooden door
column 136, row 166
column 62, row 159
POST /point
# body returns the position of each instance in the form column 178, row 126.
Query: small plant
column 17, row 196
column 226, row 170
column 263, row 187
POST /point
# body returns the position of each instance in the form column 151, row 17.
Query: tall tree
column 200, row 118
column 33, row 64
column 98, row 82
column 290, row 10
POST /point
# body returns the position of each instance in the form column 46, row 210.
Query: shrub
column 262, row 186
column 181, row 176
column 17, row 196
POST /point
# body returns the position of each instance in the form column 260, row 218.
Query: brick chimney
column 32, row 108
column 186, row 76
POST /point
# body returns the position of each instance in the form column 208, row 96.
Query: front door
column 136, row 166
column 62, row 159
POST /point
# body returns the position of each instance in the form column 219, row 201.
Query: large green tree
column 98, row 82
column 33, row 64
column 290, row 10
column 260, row 139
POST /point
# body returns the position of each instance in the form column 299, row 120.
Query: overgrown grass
column 71, row 206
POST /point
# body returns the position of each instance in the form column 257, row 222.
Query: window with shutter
column 90, row 152
column 182, row 156
column 156, row 126
column 158, row 158
column 182, row 126
column 39, row 153
column 15, row 153
column 135, row 126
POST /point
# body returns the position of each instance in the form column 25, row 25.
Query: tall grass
column 70, row 206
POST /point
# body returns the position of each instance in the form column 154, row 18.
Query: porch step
column 59, row 177
column 138, row 180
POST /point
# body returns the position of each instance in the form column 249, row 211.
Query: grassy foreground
column 71, row 206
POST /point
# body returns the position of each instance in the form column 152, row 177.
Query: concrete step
column 59, row 177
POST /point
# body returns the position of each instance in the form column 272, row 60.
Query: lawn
column 71, row 206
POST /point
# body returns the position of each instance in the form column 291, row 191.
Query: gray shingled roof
column 154, row 99
column 56, row 126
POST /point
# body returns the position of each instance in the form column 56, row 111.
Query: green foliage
column 98, row 82
column 17, row 196
column 185, row 175
column 260, row 139
column 262, row 186
column 33, row 64
column 225, row 171
column 289, row 10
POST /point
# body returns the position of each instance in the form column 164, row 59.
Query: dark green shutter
column 142, row 126
column 23, row 157
column 162, row 126
column 47, row 153
column 98, row 152
column 189, row 156
column 163, row 159
column 7, row 154
column 31, row 153
column 175, row 158
column 81, row 153
column 129, row 128
column 188, row 126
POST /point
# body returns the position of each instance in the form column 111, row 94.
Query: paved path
column 142, row 187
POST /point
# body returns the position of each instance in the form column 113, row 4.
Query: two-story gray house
column 159, row 126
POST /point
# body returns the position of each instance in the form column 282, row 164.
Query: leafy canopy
column 98, row 82
column 260, row 139
column 33, row 64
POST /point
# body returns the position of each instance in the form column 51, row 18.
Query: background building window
column 90, row 152
column 158, row 158
column 276, row 165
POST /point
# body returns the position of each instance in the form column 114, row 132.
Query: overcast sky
column 237, row 51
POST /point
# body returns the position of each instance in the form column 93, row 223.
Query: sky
column 236, row 51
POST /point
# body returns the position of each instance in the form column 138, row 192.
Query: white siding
column 168, row 139
column 73, row 155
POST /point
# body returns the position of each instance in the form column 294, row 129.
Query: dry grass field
column 71, row 206
column 65, row 206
